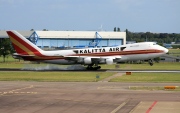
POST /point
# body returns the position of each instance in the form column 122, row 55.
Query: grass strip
column 54, row 76
column 148, row 77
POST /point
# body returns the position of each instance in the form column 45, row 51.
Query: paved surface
column 157, row 107
column 145, row 71
column 111, row 77
column 101, row 70
column 71, row 97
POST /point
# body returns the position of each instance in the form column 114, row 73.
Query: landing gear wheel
column 93, row 68
column 99, row 67
column 89, row 68
column 150, row 62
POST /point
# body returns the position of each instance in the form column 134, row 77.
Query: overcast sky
column 82, row 15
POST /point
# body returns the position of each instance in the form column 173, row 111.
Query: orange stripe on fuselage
column 101, row 54
column 37, row 58
column 120, row 53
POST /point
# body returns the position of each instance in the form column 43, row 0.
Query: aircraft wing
column 80, row 58
column 107, row 59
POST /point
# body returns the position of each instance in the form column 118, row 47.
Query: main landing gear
column 150, row 62
column 91, row 67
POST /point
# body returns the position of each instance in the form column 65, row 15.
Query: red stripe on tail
column 24, row 43
column 19, row 50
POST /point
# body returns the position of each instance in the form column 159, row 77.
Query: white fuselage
column 129, row 52
column 86, row 56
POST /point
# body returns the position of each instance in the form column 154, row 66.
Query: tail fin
column 22, row 45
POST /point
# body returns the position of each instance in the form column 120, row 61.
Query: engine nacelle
column 109, row 61
column 87, row 60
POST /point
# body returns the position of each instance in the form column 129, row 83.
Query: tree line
column 160, row 38
column 5, row 48
column 155, row 37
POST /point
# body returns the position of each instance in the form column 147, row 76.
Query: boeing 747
column 90, row 57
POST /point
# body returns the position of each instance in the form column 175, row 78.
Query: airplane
column 90, row 57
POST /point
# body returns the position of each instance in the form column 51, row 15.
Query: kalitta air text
column 97, row 50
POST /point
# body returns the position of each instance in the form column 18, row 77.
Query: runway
column 86, row 97
column 145, row 71
column 101, row 70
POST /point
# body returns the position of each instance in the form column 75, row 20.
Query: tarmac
column 86, row 97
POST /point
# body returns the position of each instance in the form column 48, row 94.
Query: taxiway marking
column 154, row 103
column 15, row 91
column 119, row 107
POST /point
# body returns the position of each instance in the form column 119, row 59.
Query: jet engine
column 109, row 61
column 87, row 60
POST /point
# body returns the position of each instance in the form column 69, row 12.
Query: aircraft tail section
column 22, row 45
